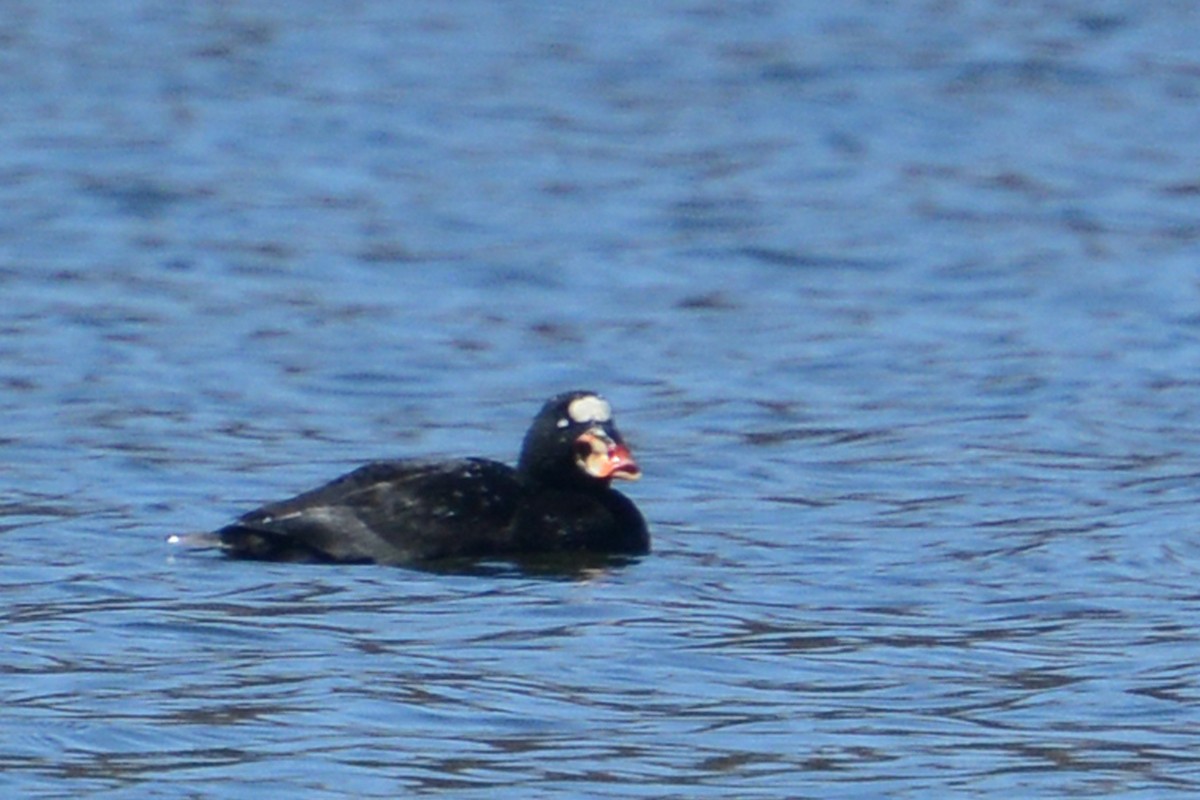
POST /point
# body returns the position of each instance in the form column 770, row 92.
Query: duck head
column 574, row 442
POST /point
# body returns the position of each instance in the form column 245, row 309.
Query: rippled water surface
column 898, row 305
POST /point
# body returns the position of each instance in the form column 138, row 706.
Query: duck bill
column 621, row 465
column 607, row 459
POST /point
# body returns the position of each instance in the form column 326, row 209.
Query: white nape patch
column 590, row 408
column 562, row 423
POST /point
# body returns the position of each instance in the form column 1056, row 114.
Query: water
column 896, row 303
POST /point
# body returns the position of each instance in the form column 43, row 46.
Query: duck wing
column 387, row 512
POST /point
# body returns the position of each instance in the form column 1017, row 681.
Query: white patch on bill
column 590, row 408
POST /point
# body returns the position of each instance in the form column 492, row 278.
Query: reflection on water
column 898, row 306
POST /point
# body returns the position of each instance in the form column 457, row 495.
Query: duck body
column 557, row 500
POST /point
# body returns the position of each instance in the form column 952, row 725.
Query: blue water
column 897, row 304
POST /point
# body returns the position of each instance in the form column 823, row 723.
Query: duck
column 558, row 499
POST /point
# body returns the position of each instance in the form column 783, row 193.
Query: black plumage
column 557, row 500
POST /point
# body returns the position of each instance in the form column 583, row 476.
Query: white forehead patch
column 590, row 408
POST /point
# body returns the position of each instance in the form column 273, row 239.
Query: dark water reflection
column 897, row 306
